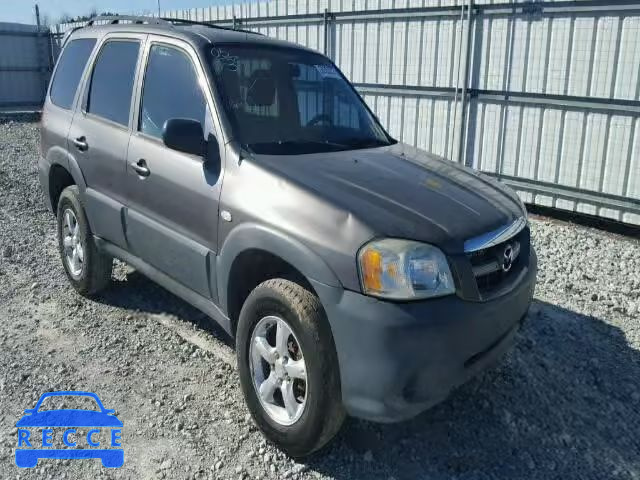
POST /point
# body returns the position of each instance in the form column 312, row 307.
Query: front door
column 100, row 132
column 172, row 214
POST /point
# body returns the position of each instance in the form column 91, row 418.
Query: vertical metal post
column 59, row 38
column 52, row 59
column 468, row 75
column 43, row 63
column 506, row 87
column 38, row 17
column 235, row 22
column 455, row 94
column 325, row 19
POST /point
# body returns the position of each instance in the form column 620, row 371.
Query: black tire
column 96, row 266
column 323, row 414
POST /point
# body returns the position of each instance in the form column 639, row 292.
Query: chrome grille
column 496, row 265
column 491, row 260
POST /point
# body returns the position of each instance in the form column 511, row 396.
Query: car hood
column 403, row 192
column 69, row 418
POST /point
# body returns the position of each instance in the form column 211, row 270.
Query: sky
column 22, row 11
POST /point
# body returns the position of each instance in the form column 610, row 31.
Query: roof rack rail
column 165, row 21
column 205, row 24
column 67, row 36
column 114, row 19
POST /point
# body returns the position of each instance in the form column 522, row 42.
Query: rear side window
column 171, row 90
column 112, row 81
column 70, row 67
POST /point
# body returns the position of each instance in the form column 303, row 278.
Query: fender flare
column 249, row 236
column 77, row 175
column 58, row 156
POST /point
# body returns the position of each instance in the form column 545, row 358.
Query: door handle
column 141, row 168
column 81, row 144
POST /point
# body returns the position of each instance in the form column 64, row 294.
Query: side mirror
column 184, row 135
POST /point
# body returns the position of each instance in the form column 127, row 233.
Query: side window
column 112, row 81
column 70, row 67
column 171, row 90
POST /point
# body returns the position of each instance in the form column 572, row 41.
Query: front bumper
column 398, row 359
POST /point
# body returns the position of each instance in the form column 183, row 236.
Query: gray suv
column 357, row 275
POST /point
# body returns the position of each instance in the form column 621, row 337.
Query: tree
column 66, row 18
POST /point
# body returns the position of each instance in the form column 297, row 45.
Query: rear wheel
column 288, row 367
column 88, row 269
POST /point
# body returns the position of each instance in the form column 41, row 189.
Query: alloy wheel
column 72, row 243
column 278, row 370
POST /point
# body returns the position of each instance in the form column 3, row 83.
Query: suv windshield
column 287, row 101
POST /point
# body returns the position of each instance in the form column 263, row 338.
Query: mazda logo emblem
column 507, row 258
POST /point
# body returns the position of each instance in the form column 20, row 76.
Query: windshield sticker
column 327, row 71
column 226, row 61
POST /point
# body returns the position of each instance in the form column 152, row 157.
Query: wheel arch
column 63, row 172
column 275, row 253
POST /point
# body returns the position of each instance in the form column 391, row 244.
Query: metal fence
column 26, row 59
column 544, row 95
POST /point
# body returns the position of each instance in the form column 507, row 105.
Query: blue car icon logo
column 31, row 447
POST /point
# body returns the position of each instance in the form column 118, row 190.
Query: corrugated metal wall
column 590, row 147
column 25, row 59
column 548, row 95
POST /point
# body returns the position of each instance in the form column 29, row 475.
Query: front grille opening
column 490, row 281
column 495, row 281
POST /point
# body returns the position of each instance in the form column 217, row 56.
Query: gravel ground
column 564, row 404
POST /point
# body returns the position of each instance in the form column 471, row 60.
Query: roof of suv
column 195, row 33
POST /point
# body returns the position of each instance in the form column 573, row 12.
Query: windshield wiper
column 310, row 142
column 359, row 142
column 295, row 146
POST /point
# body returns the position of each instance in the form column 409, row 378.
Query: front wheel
column 288, row 367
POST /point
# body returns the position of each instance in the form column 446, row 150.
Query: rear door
column 58, row 110
column 99, row 135
column 172, row 214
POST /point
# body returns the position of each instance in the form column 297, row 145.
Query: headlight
column 404, row 270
